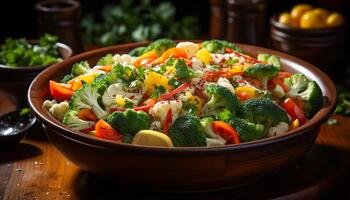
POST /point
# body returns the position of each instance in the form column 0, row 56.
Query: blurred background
column 108, row 22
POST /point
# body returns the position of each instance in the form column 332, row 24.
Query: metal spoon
column 14, row 126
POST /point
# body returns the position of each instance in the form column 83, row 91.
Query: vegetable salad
column 184, row 95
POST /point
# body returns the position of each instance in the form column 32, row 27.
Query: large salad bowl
column 183, row 168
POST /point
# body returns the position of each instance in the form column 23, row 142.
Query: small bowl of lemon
column 313, row 34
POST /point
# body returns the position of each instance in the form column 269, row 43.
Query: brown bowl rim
column 321, row 116
column 40, row 67
column 306, row 32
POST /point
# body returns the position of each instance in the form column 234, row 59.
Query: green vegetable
column 135, row 21
column 307, row 91
column 220, row 98
column 263, row 111
column 185, row 72
column 271, row 59
column 187, row 131
column 219, row 46
column 129, row 122
column 189, row 108
column 72, row 120
column 158, row 90
column 106, row 60
column 343, row 106
column 225, row 115
column 296, row 83
column 206, row 124
column 262, row 72
column 248, row 131
column 160, row 46
column 332, row 122
column 67, row 78
column 24, row 112
column 137, row 51
column 87, row 97
column 18, row 52
column 80, row 68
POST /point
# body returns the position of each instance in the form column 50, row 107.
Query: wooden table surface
column 34, row 169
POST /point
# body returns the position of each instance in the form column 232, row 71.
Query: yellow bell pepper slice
column 154, row 79
column 245, row 92
column 204, row 56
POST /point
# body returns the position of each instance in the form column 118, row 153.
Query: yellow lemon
column 323, row 13
column 299, row 9
column 311, row 20
column 286, row 18
column 334, row 19
column 152, row 138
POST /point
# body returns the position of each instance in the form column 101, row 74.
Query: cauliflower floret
column 278, row 130
column 58, row 110
column 190, row 47
column 115, row 94
column 226, row 83
column 124, row 59
column 217, row 58
column 48, row 104
column 160, row 110
column 197, row 64
column 156, row 125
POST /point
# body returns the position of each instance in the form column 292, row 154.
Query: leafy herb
column 24, row 112
column 128, row 104
column 332, row 121
column 131, row 21
column 190, row 108
column 159, row 90
column 343, row 106
column 18, row 52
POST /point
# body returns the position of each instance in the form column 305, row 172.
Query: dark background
column 18, row 18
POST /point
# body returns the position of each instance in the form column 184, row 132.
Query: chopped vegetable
column 187, row 131
column 104, row 130
column 152, row 138
column 61, row 91
column 129, row 121
column 226, row 131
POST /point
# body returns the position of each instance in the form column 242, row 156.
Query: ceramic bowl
column 186, row 168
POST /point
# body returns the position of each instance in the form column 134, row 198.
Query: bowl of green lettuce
column 21, row 60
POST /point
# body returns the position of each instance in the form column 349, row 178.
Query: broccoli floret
column 129, row 122
column 72, row 120
column 137, row 51
column 67, row 78
column 225, row 115
column 106, row 60
column 185, row 72
column 80, row 68
column 343, row 105
column 206, row 123
column 263, row 111
column 187, row 131
column 160, row 46
column 312, row 99
column 296, row 83
column 271, row 59
column 248, row 131
column 219, row 46
column 262, row 72
column 87, row 97
column 307, row 91
column 220, row 98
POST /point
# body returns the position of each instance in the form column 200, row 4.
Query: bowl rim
column 321, row 116
column 40, row 67
column 305, row 32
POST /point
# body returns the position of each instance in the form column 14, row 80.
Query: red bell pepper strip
column 174, row 92
column 168, row 120
column 104, row 130
column 294, row 111
column 248, row 58
column 61, row 91
column 226, row 131
column 149, row 105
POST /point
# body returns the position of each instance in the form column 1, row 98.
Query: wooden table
column 34, row 169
